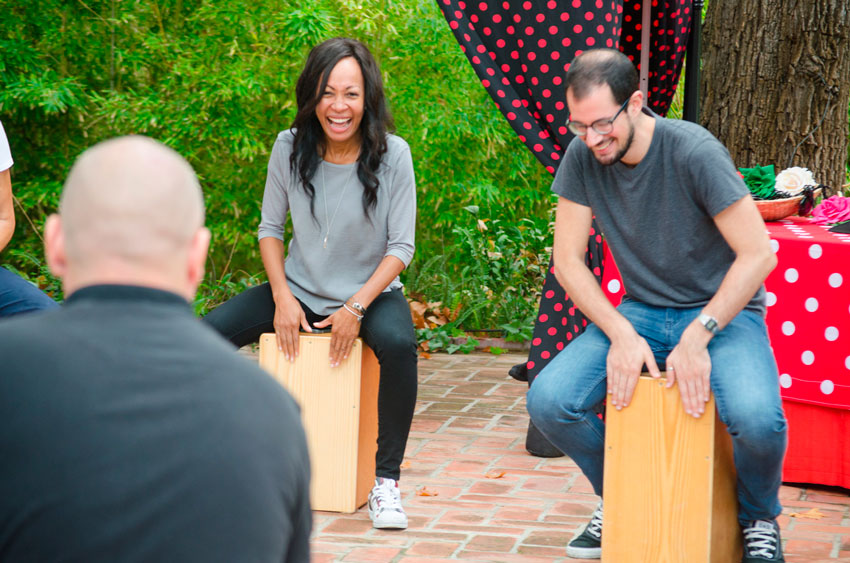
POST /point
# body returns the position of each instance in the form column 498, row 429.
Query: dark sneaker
column 762, row 542
column 588, row 544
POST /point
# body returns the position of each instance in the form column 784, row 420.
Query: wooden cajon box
column 339, row 409
column 669, row 482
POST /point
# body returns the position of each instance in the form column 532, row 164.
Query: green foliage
column 216, row 80
column 447, row 338
column 494, row 270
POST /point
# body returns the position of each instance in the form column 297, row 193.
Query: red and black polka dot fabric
column 521, row 49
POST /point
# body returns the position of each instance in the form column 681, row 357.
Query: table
column 808, row 320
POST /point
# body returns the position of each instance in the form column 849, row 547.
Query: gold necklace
column 330, row 221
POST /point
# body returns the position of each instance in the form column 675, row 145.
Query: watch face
column 710, row 323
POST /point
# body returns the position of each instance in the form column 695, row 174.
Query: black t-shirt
column 132, row 432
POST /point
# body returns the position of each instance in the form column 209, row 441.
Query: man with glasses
column 693, row 254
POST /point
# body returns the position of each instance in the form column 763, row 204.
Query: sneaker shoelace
column 385, row 498
column 594, row 528
column 761, row 541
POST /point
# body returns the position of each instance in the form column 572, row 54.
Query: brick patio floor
column 491, row 501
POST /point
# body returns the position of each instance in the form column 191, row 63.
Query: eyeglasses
column 601, row 126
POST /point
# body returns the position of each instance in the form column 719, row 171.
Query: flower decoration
column 760, row 181
column 835, row 209
column 793, row 180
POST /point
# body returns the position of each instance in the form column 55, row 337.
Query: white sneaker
column 385, row 505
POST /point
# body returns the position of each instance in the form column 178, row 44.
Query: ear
column 54, row 246
column 636, row 101
column 197, row 258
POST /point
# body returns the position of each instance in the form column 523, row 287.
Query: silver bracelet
column 353, row 312
column 355, row 305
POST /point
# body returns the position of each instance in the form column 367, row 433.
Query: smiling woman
column 348, row 185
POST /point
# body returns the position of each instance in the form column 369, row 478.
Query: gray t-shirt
column 324, row 276
column 657, row 216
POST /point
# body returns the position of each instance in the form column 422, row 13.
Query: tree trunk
column 776, row 83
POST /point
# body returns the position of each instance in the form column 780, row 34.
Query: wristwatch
column 710, row 323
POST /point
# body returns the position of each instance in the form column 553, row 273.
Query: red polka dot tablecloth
column 808, row 310
column 808, row 314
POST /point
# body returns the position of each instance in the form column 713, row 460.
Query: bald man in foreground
column 130, row 431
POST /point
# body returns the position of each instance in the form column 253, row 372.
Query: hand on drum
column 344, row 329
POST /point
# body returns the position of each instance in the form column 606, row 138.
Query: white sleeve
column 6, row 161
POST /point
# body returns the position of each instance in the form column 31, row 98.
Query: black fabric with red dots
column 521, row 49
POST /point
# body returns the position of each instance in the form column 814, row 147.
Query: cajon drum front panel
column 339, row 412
column 667, row 493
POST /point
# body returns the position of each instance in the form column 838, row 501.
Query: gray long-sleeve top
column 323, row 278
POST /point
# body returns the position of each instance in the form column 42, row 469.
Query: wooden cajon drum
column 669, row 482
column 339, row 409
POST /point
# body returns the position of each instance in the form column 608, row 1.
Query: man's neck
column 644, row 130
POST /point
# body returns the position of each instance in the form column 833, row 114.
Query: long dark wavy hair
column 309, row 142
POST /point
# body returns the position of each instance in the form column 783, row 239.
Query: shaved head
column 130, row 212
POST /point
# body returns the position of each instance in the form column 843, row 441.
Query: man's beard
column 622, row 152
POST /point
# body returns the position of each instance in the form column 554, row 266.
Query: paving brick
column 347, row 526
column 377, row 554
column 549, row 538
column 433, row 549
column 540, row 551
column 809, row 548
column 527, row 514
column 407, row 559
column 491, row 543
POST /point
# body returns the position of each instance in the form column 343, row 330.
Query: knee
column 545, row 404
column 395, row 346
column 759, row 431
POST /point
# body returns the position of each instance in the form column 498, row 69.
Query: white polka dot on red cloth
column 835, row 280
column 613, row 286
column 815, row 251
column 847, row 362
column 811, row 304
column 831, row 333
column 785, row 380
column 808, row 357
column 791, row 275
column 770, row 298
column 774, row 245
column 827, row 387
column 788, row 328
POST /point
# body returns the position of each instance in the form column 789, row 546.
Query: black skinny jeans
column 387, row 329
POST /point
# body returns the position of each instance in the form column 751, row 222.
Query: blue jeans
column 744, row 381
column 17, row 295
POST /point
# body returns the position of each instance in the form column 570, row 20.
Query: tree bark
column 776, row 83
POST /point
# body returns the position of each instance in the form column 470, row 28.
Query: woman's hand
column 288, row 316
column 345, row 328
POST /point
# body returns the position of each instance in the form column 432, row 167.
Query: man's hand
column 626, row 358
column 345, row 328
column 689, row 365
column 288, row 316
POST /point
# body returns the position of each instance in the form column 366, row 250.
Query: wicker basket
column 776, row 209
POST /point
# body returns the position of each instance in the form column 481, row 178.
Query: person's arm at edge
column 7, row 209
column 743, row 229
column 629, row 351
